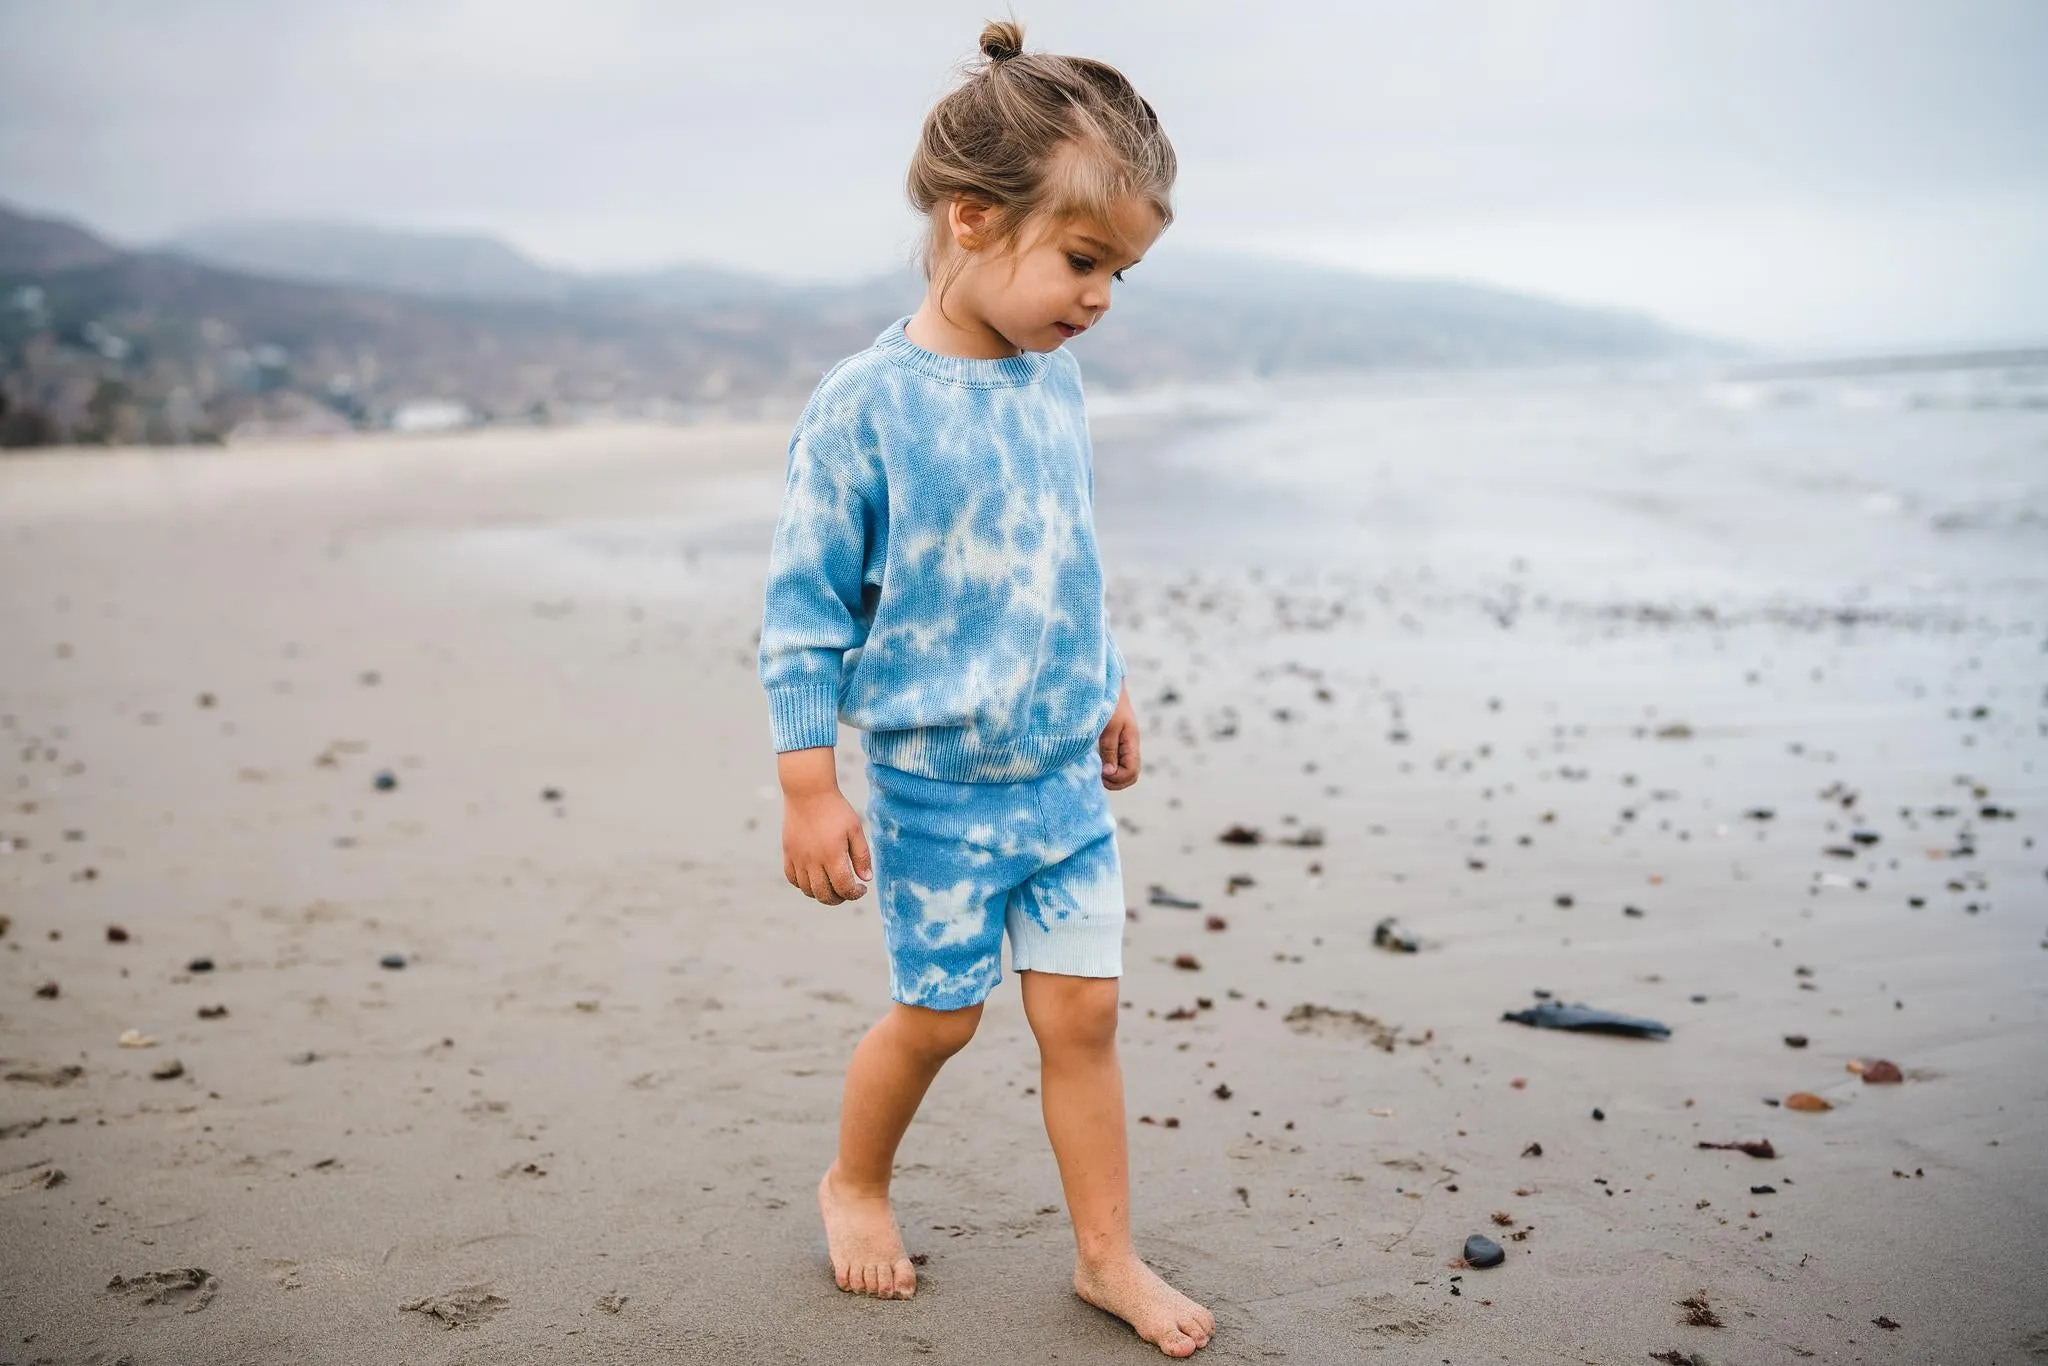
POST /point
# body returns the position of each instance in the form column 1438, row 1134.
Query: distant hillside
column 321, row 326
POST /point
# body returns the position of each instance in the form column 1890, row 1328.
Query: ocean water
column 1912, row 491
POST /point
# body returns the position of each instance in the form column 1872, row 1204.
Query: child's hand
column 1119, row 745
column 824, row 851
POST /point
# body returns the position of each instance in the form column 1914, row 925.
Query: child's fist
column 824, row 851
column 1119, row 745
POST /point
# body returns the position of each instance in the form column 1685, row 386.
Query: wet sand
column 583, row 1121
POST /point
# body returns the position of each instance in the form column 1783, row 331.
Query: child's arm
column 1119, row 744
column 824, row 852
column 812, row 616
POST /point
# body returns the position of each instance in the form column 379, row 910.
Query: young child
column 934, row 583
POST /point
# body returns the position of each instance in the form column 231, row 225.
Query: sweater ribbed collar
column 1008, row 373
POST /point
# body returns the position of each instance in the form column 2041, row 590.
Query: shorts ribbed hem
column 1096, row 951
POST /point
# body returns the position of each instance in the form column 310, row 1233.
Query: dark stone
column 393, row 961
column 385, row 781
column 1599, row 1113
column 1564, row 899
column 1389, row 935
column 551, row 794
column 1587, row 1019
column 1633, row 912
column 1795, row 1041
column 1481, row 1251
column 200, row 965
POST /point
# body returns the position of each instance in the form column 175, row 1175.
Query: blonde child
column 934, row 583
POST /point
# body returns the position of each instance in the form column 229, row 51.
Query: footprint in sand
column 466, row 1306
column 190, row 1286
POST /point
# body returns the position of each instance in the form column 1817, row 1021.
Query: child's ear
column 970, row 221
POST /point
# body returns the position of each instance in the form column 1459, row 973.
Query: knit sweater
column 934, row 579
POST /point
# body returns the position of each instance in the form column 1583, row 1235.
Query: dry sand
column 583, row 1122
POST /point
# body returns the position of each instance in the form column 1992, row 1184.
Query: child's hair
column 1035, row 134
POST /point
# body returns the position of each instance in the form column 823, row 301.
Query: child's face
column 1053, row 281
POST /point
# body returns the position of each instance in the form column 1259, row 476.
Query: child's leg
column 1074, row 1019
column 890, row 1072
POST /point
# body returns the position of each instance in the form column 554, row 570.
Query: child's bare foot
column 867, row 1250
column 1132, row 1291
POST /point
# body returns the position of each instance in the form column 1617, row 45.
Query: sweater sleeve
column 813, row 612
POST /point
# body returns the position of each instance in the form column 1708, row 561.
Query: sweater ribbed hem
column 1011, row 372
column 951, row 754
column 804, row 716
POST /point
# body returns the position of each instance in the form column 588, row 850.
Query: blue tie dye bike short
column 958, row 864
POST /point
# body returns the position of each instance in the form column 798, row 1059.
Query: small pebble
column 168, row 1070
column 1599, row 1113
column 386, row 781
column 200, row 965
column 1481, row 1251
column 394, row 961
column 1795, row 1041
column 116, row 935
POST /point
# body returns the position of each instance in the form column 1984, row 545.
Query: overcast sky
column 1804, row 173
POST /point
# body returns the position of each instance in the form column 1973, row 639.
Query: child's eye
column 1081, row 264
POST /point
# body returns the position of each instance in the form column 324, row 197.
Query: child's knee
column 1075, row 1014
column 937, row 1034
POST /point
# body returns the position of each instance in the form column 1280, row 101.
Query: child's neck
column 963, row 335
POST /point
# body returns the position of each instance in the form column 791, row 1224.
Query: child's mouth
column 1069, row 330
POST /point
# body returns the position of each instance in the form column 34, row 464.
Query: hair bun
column 1002, row 40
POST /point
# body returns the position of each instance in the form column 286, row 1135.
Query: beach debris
column 1634, row 912
column 39, row 1176
column 1879, row 1072
column 1533, row 1150
column 466, row 1306
column 1564, row 899
column 1599, row 1113
column 1308, row 837
column 1760, row 813
column 1839, row 851
column 1503, row 1218
column 170, row 1069
column 554, row 794
column 1389, row 935
column 191, row 1286
column 1795, row 1041
column 1677, row 730
column 614, row 1302
column 393, row 961
column 135, row 1038
column 1678, row 1358
column 48, row 991
column 1755, row 1147
column 116, row 935
column 385, row 781
column 1763, row 1190
column 212, row 1012
column 1308, row 1018
column 1886, row 1322
column 305, row 1057
column 1237, row 882
column 1187, row 962
column 1157, row 895
column 47, row 1076
column 1864, row 837
column 1481, row 1252
column 1585, row 1019
column 1241, row 834
column 1222, row 1091
column 200, row 965
column 1807, row 1102
column 1215, row 923
column 1698, row 1313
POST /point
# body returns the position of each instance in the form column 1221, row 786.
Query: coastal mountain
column 324, row 326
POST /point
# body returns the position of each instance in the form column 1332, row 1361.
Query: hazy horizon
column 1835, row 177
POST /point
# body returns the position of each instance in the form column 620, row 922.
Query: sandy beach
column 488, row 703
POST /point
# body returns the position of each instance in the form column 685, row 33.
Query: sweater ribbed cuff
column 804, row 716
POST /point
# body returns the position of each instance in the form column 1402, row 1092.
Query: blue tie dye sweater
column 934, row 579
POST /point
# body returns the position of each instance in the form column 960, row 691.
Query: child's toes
column 1175, row 1343
column 906, row 1279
